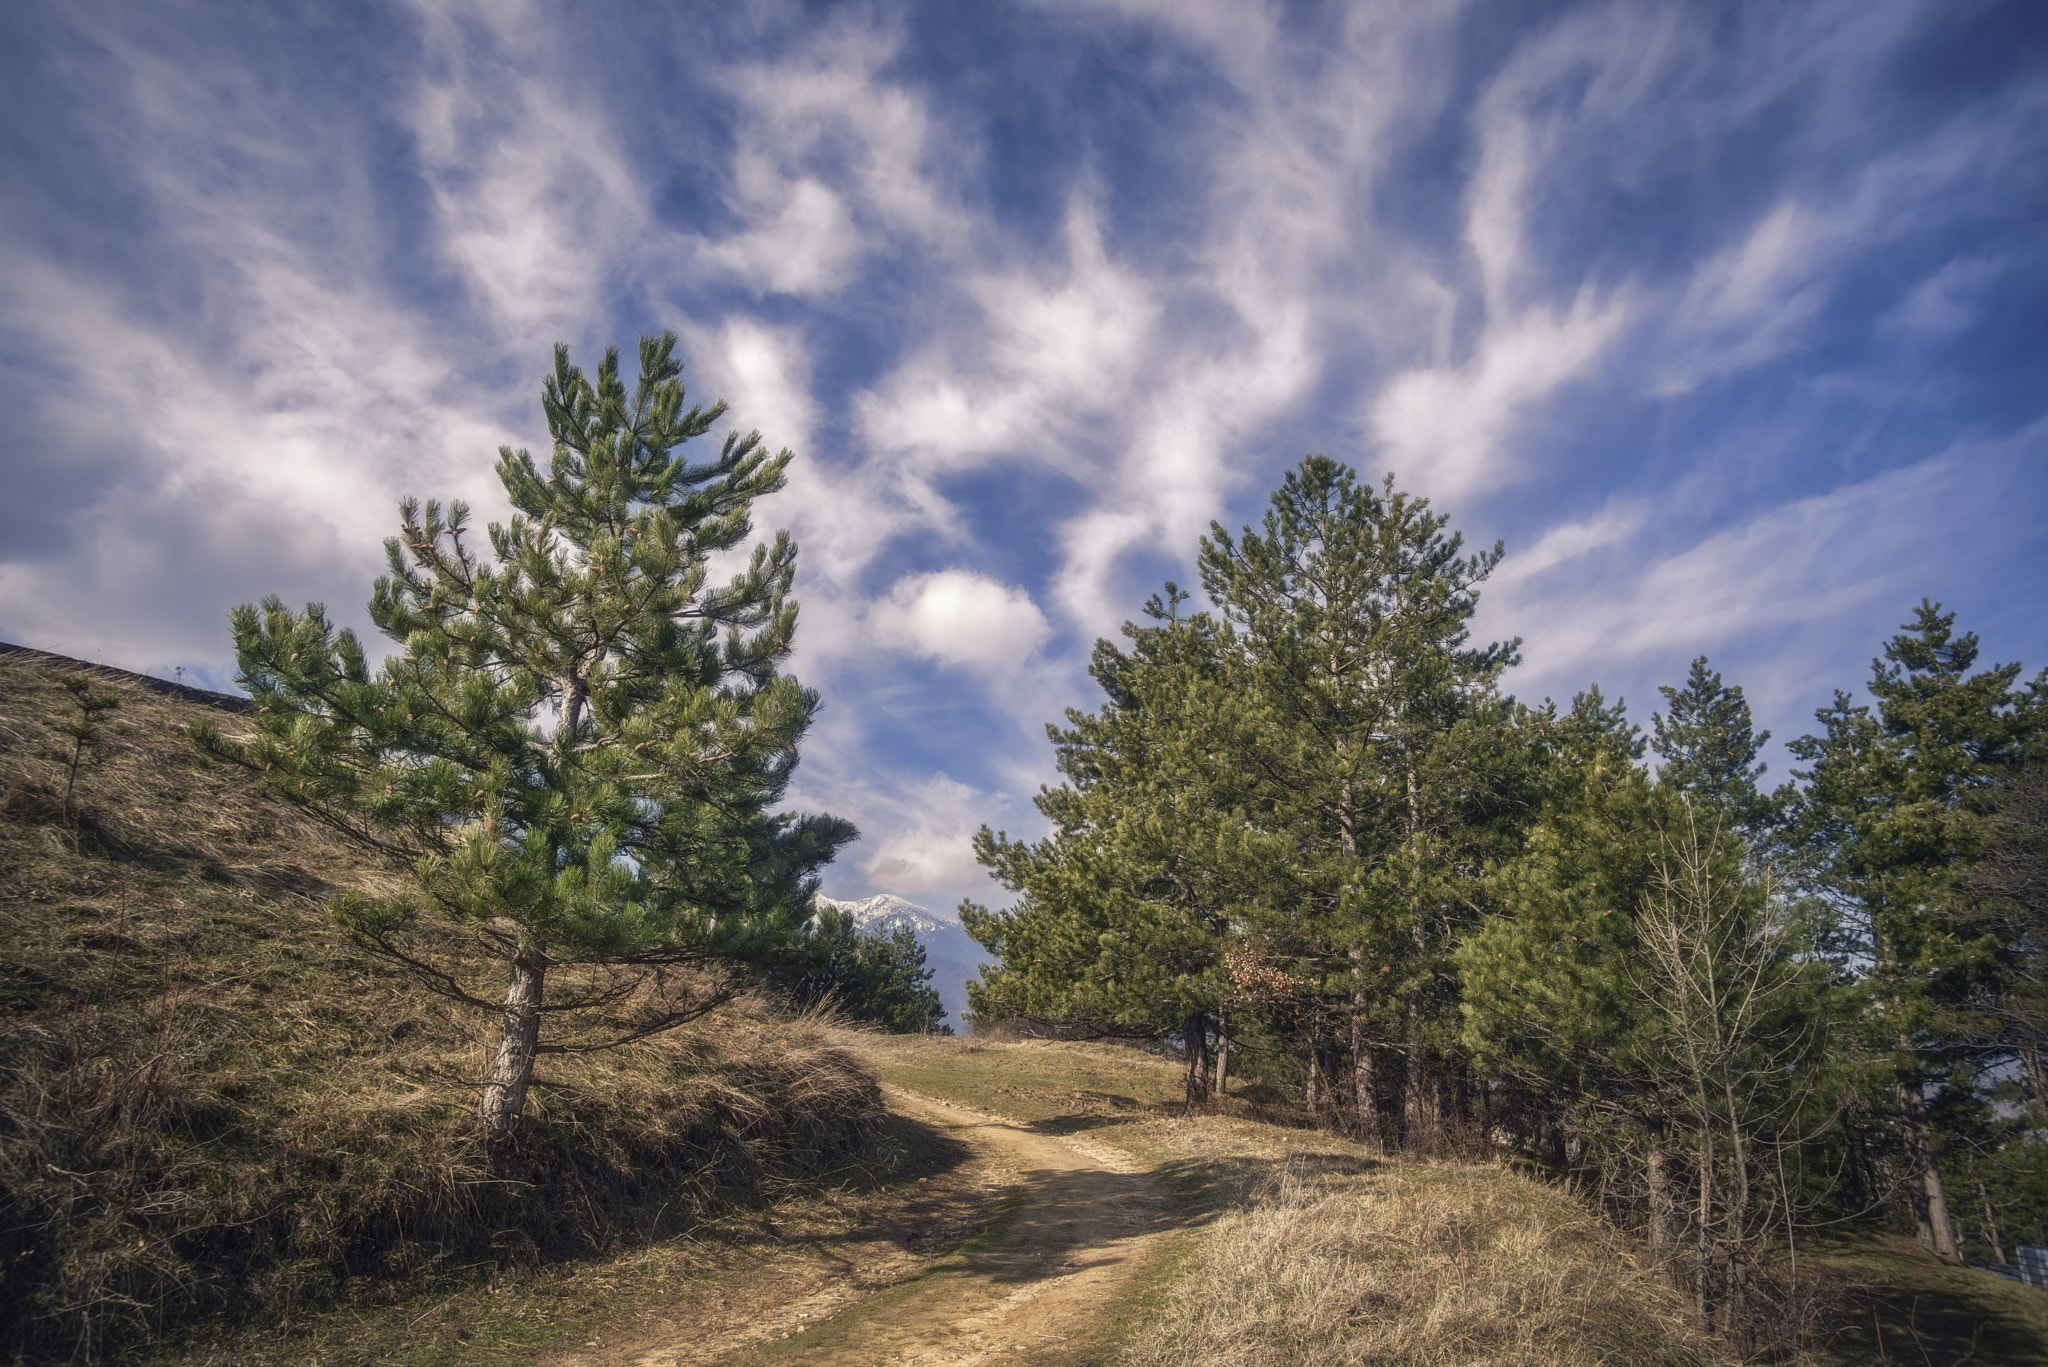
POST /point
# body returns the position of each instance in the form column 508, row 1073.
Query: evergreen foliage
column 1709, row 749
column 1309, row 811
column 877, row 977
column 1545, row 982
column 1376, row 745
column 84, row 728
column 1888, row 814
column 584, row 737
column 1126, row 909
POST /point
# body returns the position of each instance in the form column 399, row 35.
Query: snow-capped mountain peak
column 886, row 911
column 951, row 954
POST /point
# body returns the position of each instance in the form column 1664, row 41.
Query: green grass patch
column 1062, row 1086
column 1902, row 1304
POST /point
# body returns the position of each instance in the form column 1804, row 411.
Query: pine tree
column 583, row 738
column 86, row 732
column 1372, row 731
column 1126, row 909
column 878, row 977
column 1637, row 975
column 1545, row 980
column 1888, row 814
column 1709, row 748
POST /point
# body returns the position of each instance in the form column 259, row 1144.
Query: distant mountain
column 952, row 955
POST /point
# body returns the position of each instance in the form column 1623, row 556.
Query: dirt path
column 1086, row 1221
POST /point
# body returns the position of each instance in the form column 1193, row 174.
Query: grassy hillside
column 1902, row 1304
column 212, row 1112
column 1314, row 1250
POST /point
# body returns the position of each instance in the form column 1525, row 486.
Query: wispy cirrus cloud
column 1720, row 319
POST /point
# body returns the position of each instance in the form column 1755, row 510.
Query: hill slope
column 211, row 1109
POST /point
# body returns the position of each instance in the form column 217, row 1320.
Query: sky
column 1730, row 321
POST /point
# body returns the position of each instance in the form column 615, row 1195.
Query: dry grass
column 212, row 1108
column 1415, row 1265
column 1321, row 1251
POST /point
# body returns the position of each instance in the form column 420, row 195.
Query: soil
column 1067, row 1228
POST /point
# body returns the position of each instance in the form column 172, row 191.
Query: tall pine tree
column 1126, row 910
column 583, row 738
column 1370, row 733
column 1889, row 816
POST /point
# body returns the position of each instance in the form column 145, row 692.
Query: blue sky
column 1731, row 320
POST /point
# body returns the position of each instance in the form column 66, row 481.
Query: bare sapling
column 1722, row 973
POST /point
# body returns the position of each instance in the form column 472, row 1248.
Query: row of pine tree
column 1307, row 828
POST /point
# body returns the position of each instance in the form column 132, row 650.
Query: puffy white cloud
column 959, row 617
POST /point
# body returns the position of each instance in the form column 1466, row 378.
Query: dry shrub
column 212, row 1107
column 1410, row 1265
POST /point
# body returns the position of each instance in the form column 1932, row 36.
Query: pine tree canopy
column 877, row 976
column 583, row 738
column 1885, row 805
column 1372, row 728
column 1124, row 910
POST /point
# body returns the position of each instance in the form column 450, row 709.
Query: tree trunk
column 1418, row 1131
column 512, row 1072
column 1735, row 1243
column 1195, row 1038
column 1418, row 1128
column 1364, row 1081
column 1991, row 1225
column 1222, row 1052
column 1316, row 1085
column 1657, row 1172
column 1930, row 1199
column 1703, row 1273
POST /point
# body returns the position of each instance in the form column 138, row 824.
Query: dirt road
column 1034, row 1290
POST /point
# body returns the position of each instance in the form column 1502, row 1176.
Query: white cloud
column 1450, row 427
column 308, row 424
column 1760, row 297
column 1447, row 429
column 1563, row 544
column 806, row 245
column 925, row 845
column 959, row 617
column 765, row 374
column 1043, row 355
column 1946, row 301
column 535, row 199
column 1811, row 564
column 835, row 163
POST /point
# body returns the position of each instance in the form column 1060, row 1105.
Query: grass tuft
column 1413, row 1264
